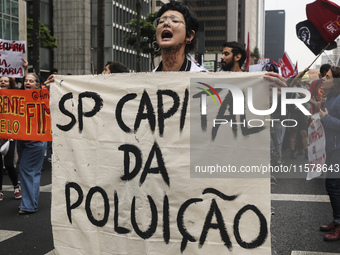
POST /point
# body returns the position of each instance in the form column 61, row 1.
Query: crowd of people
column 8, row 159
column 30, row 154
column 176, row 34
column 330, row 117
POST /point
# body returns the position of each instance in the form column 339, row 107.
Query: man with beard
column 233, row 57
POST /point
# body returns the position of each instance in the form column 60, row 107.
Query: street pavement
column 299, row 207
column 26, row 234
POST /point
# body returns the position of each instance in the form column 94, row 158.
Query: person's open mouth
column 166, row 34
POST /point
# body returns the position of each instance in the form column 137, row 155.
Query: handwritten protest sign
column 263, row 61
column 25, row 115
column 316, row 150
column 255, row 68
column 121, row 171
column 11, row 55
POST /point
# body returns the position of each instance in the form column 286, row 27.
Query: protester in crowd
column 9, row 83
column 315, row 90
column 176, row 31
column 31, row 158
column 277, row 131
column 299, row 146
column 115, row 67
column 271, row 67
column 300, row 118
column 233, row 57
column 330, row 118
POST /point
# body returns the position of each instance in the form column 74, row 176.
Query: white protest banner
column 316, row 150
column 121, row 180
column 11, row 55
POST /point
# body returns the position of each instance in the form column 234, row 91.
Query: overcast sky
column 295, row 12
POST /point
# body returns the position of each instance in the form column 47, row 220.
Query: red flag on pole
column 287, row 67
column 325, row 16
column 248, row 55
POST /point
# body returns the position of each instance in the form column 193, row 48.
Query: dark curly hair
column 237, row 48
column 335, row 90
column 191, row 21
column 324, row 69
column 116, row 67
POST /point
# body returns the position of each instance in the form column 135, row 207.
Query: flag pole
column 319, row 55
column 306, row 70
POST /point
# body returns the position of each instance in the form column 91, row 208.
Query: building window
column 15, row 31
column 9, row 19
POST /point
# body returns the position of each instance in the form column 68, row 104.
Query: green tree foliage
column 147, row 35
column 256, row 53
column 46, row 39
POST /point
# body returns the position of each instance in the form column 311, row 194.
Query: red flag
column 287, row 67
column 325, row 16
column 248, row 55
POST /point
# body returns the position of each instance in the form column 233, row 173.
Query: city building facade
column 72, row 28
column 74, row 24
column 117, row 14
column 75, row 27
column 275, row 35
column 13, row 20
column 46, row 18
column 230, row 21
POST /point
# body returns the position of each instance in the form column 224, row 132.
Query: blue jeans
column 333, row 183
column 31, row 159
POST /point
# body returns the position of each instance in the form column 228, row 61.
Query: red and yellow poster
column 25, row 115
